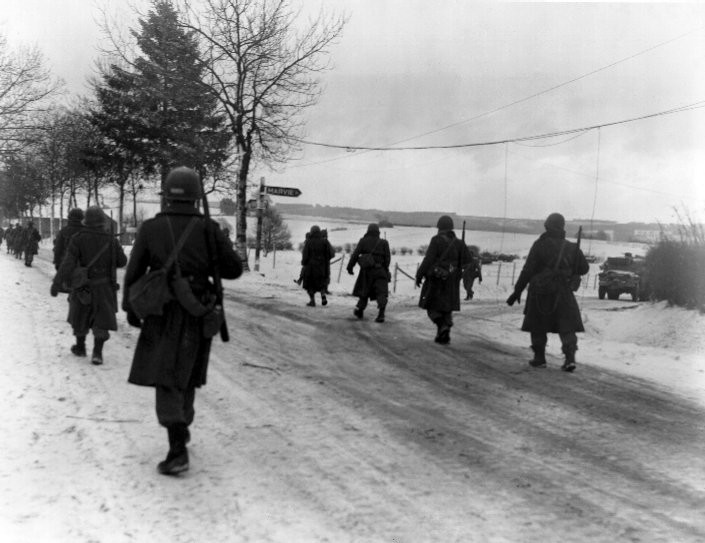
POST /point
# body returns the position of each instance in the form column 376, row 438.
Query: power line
column 550, row 89
column 540, row 93
column 695, row 105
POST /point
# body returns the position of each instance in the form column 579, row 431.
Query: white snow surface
column 64, row 468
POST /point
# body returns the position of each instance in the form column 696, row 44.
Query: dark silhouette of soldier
column 30, row 243
column 315, row 260
column 61, row 241
column 440, row 273
column 551, row 308
column 173, row 348
column 17, row 241
column 93, row 294
column 373, row 256
column 471, row 272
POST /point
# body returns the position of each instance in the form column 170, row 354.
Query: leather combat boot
column 79, row 349
column 380, row 315
column 539, row 360
column 176, row 460
column 569, row 364
column 358, row 312
column 97, row 356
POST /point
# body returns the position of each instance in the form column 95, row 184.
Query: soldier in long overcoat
column 440, row 296
column 555, row 312
column 17, row 237
column 315, row 262
column 9, row 238
column 61, row 241
column 172, row 351
column 472, row 271
column 92, row 307
column 372, row 282
column 30, row 243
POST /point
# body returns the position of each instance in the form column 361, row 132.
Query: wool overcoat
column 370, row 280
column 315, row 260
column 438, row 294
column 558, row 313
column 30, row 240
column 171, row 350
column 82, row 248
column 61, row 241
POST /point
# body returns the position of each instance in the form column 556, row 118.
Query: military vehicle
column 620, row 275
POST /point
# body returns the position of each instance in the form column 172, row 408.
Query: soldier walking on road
column 440, row 272
column 552, row 271
column 30, row 243
column 61, row 241
column 315, row 261
column 87, row 271
column 472, row 271
column 173, row 347
column 373, row 255
column 17, row 241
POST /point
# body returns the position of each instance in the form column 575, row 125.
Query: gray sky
column 444, row 73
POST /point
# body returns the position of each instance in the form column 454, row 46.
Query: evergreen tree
column 275, row 232
column 155, row 112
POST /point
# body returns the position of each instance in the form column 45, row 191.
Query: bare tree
column 25, row 86
column 262, row 64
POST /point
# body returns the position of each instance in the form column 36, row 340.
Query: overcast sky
column 419, row 73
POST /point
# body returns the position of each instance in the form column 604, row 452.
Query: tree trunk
column 241, row 209
column 121, row 205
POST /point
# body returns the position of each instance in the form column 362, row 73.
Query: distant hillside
column 611, row 229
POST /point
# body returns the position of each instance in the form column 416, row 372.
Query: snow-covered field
column 80, row 444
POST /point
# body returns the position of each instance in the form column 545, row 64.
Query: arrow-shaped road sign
column 282, row 191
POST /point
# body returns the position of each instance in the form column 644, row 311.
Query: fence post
column 499, row 270
column 594, row 286
column 340, row 269
column 394, row 285
column 514, row 269
column 274, row 256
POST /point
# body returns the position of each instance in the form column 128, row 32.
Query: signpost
column 291, row 192
column 283, row 191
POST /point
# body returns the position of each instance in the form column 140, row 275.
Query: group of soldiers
column 21, row 241
column 172, row 292
column 178, row 249
column 552, row 272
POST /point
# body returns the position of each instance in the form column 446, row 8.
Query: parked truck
column 621, row 275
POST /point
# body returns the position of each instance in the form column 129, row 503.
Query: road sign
column 283, row 191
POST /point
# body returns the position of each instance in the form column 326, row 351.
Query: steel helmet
column 182, row 183
column 555, row 221
column 94, row 217
column 445, row 223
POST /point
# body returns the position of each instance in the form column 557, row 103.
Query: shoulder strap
column 450, row 244
column 560, row 256
column 97, row 256
column 179, row 245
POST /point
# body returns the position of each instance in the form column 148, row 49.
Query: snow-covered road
column 317, row 427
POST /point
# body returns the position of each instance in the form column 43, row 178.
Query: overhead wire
column 495, row 110
column 679, row 109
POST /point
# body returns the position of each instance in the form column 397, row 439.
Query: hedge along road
column 392, row 437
